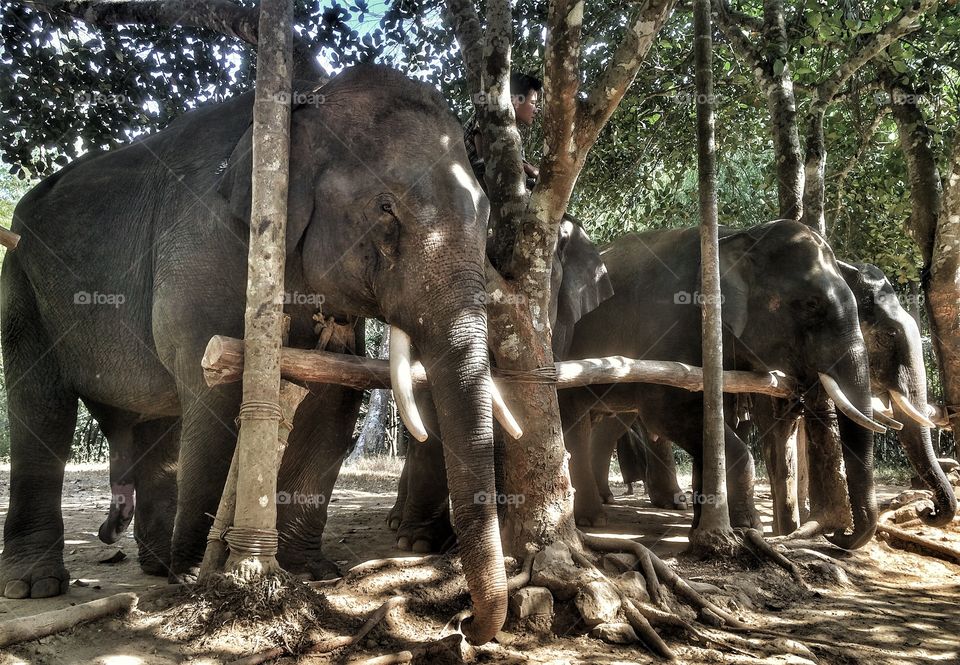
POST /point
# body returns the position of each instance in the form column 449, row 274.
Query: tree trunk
column 373, row 432
column 783, row 112
column 713, row 531
column 943, row 287
column 253, row 537
column 815, row 170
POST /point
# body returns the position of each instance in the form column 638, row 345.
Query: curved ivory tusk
column 502, row 413
column 886, row 420
column 938, row 415
column 880, row 408
column 913, row 412
column 401, row 380
column 846, row 407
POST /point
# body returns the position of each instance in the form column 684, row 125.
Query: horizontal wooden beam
column 223, row 363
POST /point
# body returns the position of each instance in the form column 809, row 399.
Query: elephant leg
column 587, row 504
column 606, row 436
column 395, row 515
column 155, row 477
column 321, row 435
column 42, row 414
column 117, row 427
column 740, row 481
column 207, row 441
column 778, row 429
column 661, row 475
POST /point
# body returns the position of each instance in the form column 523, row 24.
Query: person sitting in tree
column 525, row 93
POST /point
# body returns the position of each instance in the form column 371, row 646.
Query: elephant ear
column 736, row 267
column 236, row 184
column 579, row 283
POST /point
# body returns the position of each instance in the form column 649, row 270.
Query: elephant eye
column 386, row 207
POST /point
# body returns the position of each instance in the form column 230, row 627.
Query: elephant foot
column 188, row 576
column 747, row 518
column 679, row 501
column 32, row 567
column 608, row 498
column 395, row 517
column 629, row 490
column 597, row 519
column 425, row 537
column 34, row 579
column 311, row 565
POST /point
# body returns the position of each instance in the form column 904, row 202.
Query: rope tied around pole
column 256, row 410
column 252, row 542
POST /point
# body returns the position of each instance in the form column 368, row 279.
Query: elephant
column 895, row 355
column 149, row 244
column 785, row 306
column 579, row 283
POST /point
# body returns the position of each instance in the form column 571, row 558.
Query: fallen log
column 34, row 627
column 223, row 363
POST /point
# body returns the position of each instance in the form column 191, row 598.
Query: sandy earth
column 893, row 606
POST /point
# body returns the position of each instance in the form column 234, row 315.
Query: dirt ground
column 887, row 606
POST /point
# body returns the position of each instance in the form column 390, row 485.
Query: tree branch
column 220, row 16
column 739, row 42
column 461, row 17
column 893, row 31
column 610, row 87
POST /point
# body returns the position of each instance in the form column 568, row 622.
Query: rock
column 912, row 511
column 619, row 562
column 598, row 602
column 615, row 633
column 531, row 600
column 553, row 568
column 908, row 497
column 634, row 586
column 948, row 465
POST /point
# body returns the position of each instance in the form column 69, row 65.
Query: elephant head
column 789, row 308
column 386, row 220
column 897, row 369
column 579, row 283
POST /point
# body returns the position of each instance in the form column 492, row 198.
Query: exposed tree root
column 332, row 644
column 375, row 565
column 447, row 644
column 925, row 545
column 522, row 578
column 755, row 540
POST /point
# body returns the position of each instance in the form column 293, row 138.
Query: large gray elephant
column 132, row 259
column 897, row 372
column 579, row 283
column 785, row 307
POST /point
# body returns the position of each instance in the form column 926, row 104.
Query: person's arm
column 530, row 169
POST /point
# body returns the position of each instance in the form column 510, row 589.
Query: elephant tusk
column 913, row 412
column 401, row 380
column 879, row 408
column 846, row 407
column 938, row 415
column 502, row 413
column 886, row 420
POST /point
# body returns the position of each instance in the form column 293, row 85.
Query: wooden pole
column 713, row 532
column 253, row 537
column 223, row 363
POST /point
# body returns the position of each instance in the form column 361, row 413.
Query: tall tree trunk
column 935, row 226
column 713, row 531
column 373, row 433
column 260, row 414
column 943, row 287
column 814, row 171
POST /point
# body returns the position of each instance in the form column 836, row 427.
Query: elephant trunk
column 458, row 369
column 852, row 376
column 916, row 440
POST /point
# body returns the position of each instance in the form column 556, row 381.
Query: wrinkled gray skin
column 785, row 307
column 642, row 458
column 382, row 210
column 896, row 363
column 420, row 515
